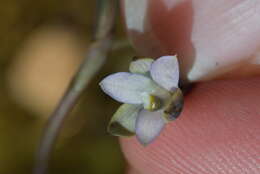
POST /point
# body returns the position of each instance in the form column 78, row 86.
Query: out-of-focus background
column 41, row 45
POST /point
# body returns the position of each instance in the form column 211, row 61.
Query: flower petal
column 123, row 121
column 141, row 66
column 149, row 126
column 165, row 71
column 127, row 87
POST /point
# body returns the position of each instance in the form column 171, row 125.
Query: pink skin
column 211, row 38
column 218, row 131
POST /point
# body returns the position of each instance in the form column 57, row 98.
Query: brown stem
column 95, row 58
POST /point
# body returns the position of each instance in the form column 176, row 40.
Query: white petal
column 149, row 126
column 141, row 66
column 127, row 87
column 123, row 121
column 165, row 71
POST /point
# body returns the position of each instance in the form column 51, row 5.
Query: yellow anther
column 152, row 103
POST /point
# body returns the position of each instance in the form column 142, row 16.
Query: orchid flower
column 150, row 95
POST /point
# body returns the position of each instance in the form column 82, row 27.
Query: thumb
column 213, row 39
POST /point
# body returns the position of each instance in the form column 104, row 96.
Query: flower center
column 151, row 102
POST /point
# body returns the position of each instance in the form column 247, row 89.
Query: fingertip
column 209, row 43
column 216, row 133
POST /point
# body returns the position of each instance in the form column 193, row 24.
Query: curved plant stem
column 95, row 58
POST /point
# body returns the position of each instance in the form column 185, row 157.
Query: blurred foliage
column 84, row 145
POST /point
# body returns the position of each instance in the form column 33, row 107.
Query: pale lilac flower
column 150, row 95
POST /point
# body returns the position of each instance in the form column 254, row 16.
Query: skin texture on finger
column 211, row 38
column 217, row 133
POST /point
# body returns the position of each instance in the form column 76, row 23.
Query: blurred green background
column 41, row 45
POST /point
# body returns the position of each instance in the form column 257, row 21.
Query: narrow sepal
column 124, row 120
column 174, row 105
column 141, row 66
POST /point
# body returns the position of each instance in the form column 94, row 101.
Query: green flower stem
column 95, row 58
